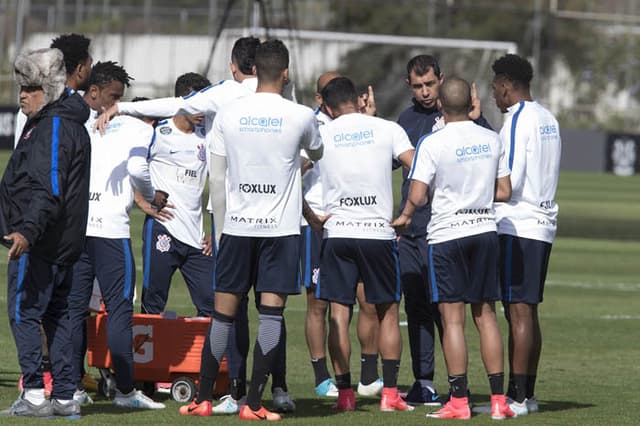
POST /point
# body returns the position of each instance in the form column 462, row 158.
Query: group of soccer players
column 475, row 226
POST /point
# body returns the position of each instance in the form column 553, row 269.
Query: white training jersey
column 261, row 136
column 460, row 164
column 311, row 182
column 531, row 137
column 118, row 165
column 356, row 173
column 178, row 165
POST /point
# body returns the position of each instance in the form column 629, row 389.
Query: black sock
column 368, row 368
column 496, row 382
column 279, row 372
column 215, row 343
column 458, row 385
column 531, row 386
column 520, row 387
column 511, row 388
column 237, row 389
column 264, row 352
column 390, row 369
column 343, row 381
column 320, row 369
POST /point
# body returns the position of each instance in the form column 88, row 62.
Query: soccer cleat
column 372, row 389
column 282, row 402
column 519, row 408
column 327, row 388
column 532, row 404
column 194, row 409
column 228, row 405
column 68, row 409
column 346, row 400
column 500, row 409
column 246, row 413
column 456, row 408
column 422, row 395
column 82, row 397
column 136, row 399
column 22, row 407
column 391, row 401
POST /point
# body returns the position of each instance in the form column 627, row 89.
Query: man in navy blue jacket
column 421, row 118
column 44, row 198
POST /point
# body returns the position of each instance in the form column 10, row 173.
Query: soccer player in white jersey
column 256, row 163
column 358, row 241
column 178, row 165
column 527, row 223
column 311, row 242
column 463, row 169
column 118, row 165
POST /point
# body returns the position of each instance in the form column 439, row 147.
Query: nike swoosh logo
column 192, row 409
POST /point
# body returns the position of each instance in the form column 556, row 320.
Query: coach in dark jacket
column 44, row 201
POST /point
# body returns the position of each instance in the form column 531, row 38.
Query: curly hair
column 75, row 49
column 104, row 73
column 514, row 68
column 190, row 82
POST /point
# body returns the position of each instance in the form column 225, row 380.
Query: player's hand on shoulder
column 104, row 118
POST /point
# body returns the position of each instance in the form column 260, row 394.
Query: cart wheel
column 107, row 383
column 183, row 389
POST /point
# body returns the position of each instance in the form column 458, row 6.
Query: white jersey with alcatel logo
column 261, row 136
column 531, row 137
column 356, row 173
column 178, row 165
column 460, row 163
column 118, row 165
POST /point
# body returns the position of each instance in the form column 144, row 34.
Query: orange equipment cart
column 166, row 350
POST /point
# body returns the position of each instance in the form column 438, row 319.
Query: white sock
column 64, row 401
column 34, row 396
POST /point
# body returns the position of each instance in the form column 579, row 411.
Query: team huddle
column 297, row 197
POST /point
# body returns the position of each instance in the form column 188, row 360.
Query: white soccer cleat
column 136, row 399
column 82, row 397
column 372, row 389
column 519, row 408
column 228, row 405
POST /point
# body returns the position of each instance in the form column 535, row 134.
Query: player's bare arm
column 503, row 189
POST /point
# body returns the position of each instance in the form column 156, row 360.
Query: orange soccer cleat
column 194, row 409
column 246, row 413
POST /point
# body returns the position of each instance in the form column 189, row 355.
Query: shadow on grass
column 545, row 406
column 321, row 407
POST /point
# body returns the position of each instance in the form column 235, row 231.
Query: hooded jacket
column 44, row 193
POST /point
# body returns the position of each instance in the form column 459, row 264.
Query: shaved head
column 324, row 79
column 455, row 96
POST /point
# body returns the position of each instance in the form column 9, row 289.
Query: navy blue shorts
column 162, row 254
column 465, row 269
column 346, row 261
column 270, row 264
column 310, row 246
column 523, row 263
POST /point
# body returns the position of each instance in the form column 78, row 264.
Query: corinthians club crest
column 202, row 153
column 164, row 243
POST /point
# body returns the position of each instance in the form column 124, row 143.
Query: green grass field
column 589, row 370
